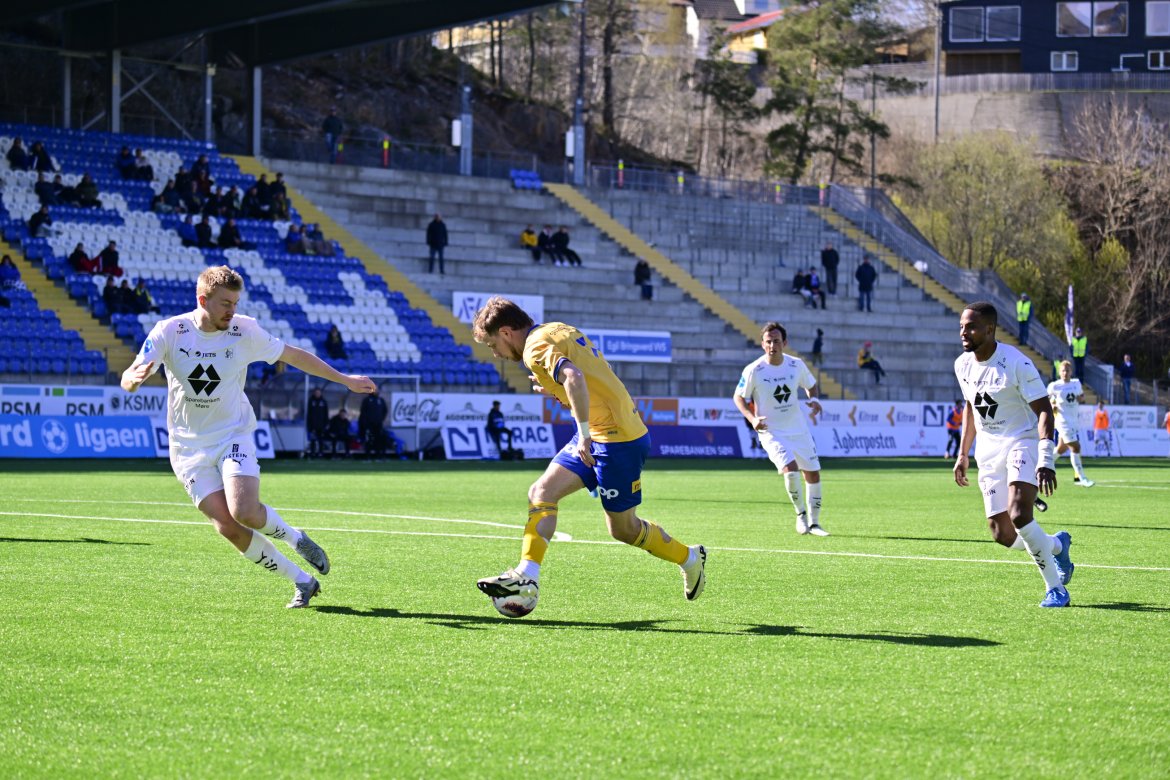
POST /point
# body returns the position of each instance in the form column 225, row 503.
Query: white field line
column 570, row 540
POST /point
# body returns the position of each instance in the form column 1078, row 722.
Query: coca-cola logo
column 426, row 410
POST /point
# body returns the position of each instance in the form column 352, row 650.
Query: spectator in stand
column 1024, row 317
column 818, row 348
column 143, row 170
column 46, row 194
column 182, row 179
column 250, row 205
column 294, row 240
column 231, row 203
column 642, row 279
column 107, row 261
column 546, row 245
column 371, row 422
column 62, row 193
column 561, row 242
column 335, row 344
column 331, row 129
column 528, row 241
column 436, row 242
column 264, row 196
column 187, row 233
column 189, row 195
column 229, row 237
column 315, row 242
column 203, row 238
column 79, row 261
column 203, row 185
column 113, row 298
column 18, row 157
column 128, row 297
column 9, row 274
column 813, row 281
column 40, row 224
column 143, row 300
column 800, row 287
column 87, row 193
column 41, row 159
column 317, row 422
column 201, row 165
column 339, row 431
column 867, row 361
column 278, row 210
column 866, row 276
column 278, row 187
column 1125, row 371
column 213, row 203
column 125, row 163
column 830, row 259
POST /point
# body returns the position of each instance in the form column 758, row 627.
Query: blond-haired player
column 607, row 452
column 1066, row 395
column 210, row 421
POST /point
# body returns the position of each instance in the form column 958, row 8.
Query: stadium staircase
column 512, row 373
column 389, row 209
column 931, row 287
column 295, row 296
column 668, row 269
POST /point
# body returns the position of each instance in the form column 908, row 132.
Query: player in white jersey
column 211, row 424
column 1066, row 395
column 768, row 396
column 1004, row 397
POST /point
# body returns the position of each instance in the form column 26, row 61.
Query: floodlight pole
column 115, row 90
column 465, row 164
column 67, row 90
column 579, row 110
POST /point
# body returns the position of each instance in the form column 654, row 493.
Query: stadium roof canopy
column 254, row 32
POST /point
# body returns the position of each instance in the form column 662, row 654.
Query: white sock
column 794, row 484
column 262, row 552
column 1039, row 546
column 692, row 558
column 814, row 503
column 1018, row 544
column 275, row 527
column 1078, row 469
column 529, row 569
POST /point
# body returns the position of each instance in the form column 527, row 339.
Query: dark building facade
column 1044, row 36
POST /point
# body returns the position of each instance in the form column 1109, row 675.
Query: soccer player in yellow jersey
column 607, row 452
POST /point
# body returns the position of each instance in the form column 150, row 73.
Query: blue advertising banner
column 678, row 441
column 638, row 346
column 59, row 436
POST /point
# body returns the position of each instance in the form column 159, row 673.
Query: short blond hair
column 218, row 276
column 1064, row 363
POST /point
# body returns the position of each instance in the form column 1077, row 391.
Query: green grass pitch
column 907, row 644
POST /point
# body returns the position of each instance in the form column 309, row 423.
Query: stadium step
column 73, row 316
column 929, row 286
column 512, row 373
column 676, row 274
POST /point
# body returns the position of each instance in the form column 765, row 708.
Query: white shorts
column 1067, row 431
column 202, row 472
column 784, row 448
column 999, row 466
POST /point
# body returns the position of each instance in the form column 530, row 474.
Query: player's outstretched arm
column 135, row 375
column 311, row 364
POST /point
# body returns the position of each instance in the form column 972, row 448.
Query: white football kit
column 1065, row 402
column 775, row 391
column 1007, row 441
column 210, row 421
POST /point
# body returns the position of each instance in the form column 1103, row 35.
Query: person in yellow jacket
column 1078, row 347
column 529, row 241
column 1024, row 317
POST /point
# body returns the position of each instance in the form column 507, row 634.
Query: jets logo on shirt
column 986, row 405
column 782, row 393
column 204, row 380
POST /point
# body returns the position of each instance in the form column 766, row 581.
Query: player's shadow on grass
column 485, row 621
column 82, row 540
column 922, row 640
column 1124, row 606
column 1113, row 527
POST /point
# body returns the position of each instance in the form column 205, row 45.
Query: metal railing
column 983, row 284
column 922, row 75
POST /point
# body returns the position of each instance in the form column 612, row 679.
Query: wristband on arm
column 1047, row 454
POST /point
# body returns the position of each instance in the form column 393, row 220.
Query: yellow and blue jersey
column 612, row 414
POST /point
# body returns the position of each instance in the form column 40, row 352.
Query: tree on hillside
column 1119, row 190
column 815, row 53
column 613, row 25
column 728, row 87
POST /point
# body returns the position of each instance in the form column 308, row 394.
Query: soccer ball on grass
column 518, row 604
